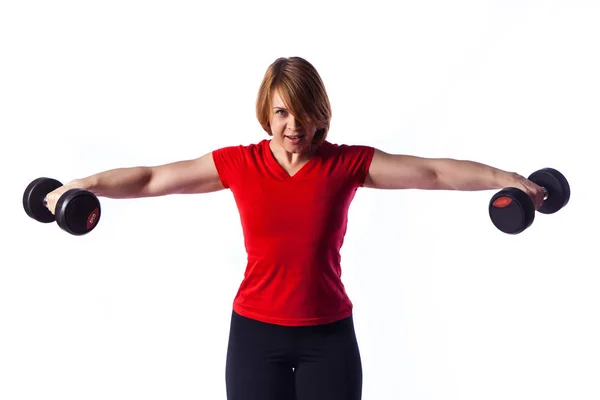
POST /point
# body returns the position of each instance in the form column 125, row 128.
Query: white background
column 446, row 306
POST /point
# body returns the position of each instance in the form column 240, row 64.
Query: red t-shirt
column 293, row 228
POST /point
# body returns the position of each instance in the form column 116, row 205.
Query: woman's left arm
column 398, row 171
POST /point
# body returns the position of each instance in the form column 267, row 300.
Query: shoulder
column 353, row 159
column 232, row 161
column 244, row 148
column 241, row 152
column 347, row 151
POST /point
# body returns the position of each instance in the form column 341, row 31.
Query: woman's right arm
column 182, row 177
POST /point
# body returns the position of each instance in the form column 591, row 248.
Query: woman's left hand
column 533, row 190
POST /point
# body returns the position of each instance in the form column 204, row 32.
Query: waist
column 298, row 292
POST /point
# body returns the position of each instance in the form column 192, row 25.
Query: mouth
column 294, row 137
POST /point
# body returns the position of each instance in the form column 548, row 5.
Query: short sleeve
column 357, row 160
column 227, row 162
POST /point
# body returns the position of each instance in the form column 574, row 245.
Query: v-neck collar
column 280, row 171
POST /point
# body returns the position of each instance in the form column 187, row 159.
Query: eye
column 280, row 111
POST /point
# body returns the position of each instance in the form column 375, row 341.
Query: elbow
column 147, row 184
column 440, row 178
column 436, row 180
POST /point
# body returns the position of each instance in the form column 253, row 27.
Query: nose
column 292, row 125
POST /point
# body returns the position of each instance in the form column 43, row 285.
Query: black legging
column 273, row 362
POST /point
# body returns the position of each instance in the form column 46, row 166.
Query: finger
column 536, row 198
column 51, row 200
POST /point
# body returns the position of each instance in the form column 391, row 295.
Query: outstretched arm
column 398, row 171
column 190, row 176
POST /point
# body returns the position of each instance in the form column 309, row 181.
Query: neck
column 282, row 155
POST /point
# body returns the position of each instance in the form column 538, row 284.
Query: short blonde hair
column 302, row 90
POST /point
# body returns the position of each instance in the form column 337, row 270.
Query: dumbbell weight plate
column 558, row 188
column 33, row 199
column 511, row 210
column 78, row 211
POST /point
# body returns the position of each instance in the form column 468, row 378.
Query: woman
column 292, row 333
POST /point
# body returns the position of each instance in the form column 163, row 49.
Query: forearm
column 117, row 183
column 470, row 175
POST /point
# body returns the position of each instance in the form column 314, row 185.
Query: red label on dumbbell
column 502, row 202
column 92, row 219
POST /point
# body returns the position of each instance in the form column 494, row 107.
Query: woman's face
column 286, row 133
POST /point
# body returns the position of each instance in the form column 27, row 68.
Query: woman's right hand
column 53, row 196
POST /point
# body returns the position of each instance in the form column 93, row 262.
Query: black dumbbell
column 77, row 211
column 512, row 210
